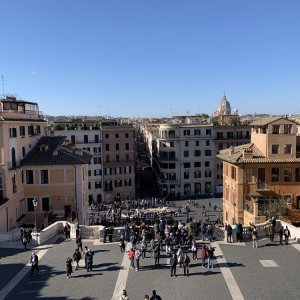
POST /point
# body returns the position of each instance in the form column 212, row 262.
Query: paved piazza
column 241, row 272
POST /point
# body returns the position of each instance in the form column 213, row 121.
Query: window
column 23, row 151
column 219, row 135
column 98, row 184
column 197, row 164
column 30, row 206
column 117, row 136
column 127, row 182
column 14, row 184
column 230, row 134
column 45, row 204
column 287, row 129
column 97, row 160
column 85, row 138
column 96, row 138
column 207, row 142
column 44, row 177
column 274, row 174
column 89, row 173
column 207, row 164
column 197, row 153
column 171, row 144
column 117, row 157
column 126, row 146
column 127, row 170
column 275, row 129
column 118, row 170
column 186, row 143
column 187, row 165
column 233, row 173
column 127, row 157
column 197, row 174
column 288, row 149
column 126, row 135
column 73, row 139
column 172, row 166
column 208, row 131
column 22, row 130
column 118, row 183
column 38, row 129
column 97, row 172
column 117, row 147
column 186, row 154
column 207, row 152
column 197, row 143
column 89, row 185
column 275, row 149
column 186, row 132
column 207, row 173
column 287, row 174
column 108, row 171
column 172, row 176
column 107, row 158
column 107, row 147
column 197, row 131
column 186, row 175
column 12, row 132
column 249, row 175
column 29, row 176
column 297, row 174
column 106, row 135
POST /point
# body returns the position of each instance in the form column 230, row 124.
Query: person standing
column 281, row 233
column 155, row 296
column 89, row 260
column 287, row 235
column 203, row 256
column 79, row 242
column 186, row 265
column 229, row 233
column 137, row 256
column 77, row 229
column 122, row 244
column 194, row 250
column 210, row 255
column 173, row 263
column 131, row 258
column 67, row 230
column 152, row 247
column 110, row 233
column 254, row 237
column 34, row 260
column 156, row 256
column 180, row 256
column 69, row 267
column 77, row 258
column 24, row 241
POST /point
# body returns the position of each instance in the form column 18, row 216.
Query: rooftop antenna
column 2, row 78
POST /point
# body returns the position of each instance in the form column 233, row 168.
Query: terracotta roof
column 52, row 151
column 235, row 155
column 268, row 120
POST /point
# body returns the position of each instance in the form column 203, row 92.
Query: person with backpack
column 69, row 268
column 77, row 258
column 186, row 265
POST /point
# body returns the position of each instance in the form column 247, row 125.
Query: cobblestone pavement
column 241, row 272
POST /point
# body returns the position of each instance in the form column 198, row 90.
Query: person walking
column 152, row 247
column 186, row 265
column 24, row 241
column 69, row 268
column 180, row 256
column 34, row 260
column 77, row 258
column 194, row 250
column 173, row 263
column 229, row 233
column 67, row 230
column 124, row 295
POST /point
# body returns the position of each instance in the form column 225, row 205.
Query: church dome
column 223, row 107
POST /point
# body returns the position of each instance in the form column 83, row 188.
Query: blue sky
column 152, row 58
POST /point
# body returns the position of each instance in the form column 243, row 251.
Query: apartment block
column 263, row 176
column 21, row 125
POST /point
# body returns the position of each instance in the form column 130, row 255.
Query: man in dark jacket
column 89, row 260
column 155, row 296
column 173, row 263
column 34, row 260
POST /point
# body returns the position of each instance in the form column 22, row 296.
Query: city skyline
column 155, row 59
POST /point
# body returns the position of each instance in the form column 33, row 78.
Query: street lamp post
column 35, row 203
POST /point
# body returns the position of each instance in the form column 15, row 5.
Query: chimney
column 247, row 153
